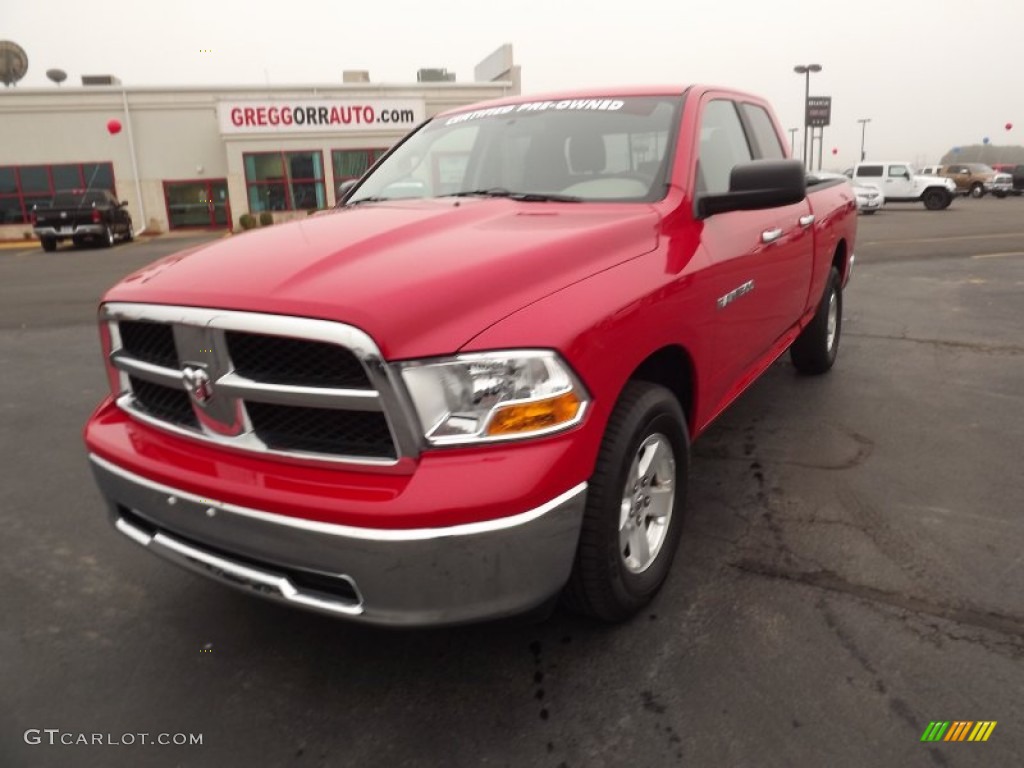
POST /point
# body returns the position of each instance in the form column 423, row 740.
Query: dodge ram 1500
column 81, row 215
column 473, row 387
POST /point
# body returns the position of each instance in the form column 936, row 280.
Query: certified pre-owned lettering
column 734, row 294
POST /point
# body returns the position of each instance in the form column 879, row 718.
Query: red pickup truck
column 473, row 387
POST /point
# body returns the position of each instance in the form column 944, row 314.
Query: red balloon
column 1009, row 126
column 113, row 126
column 835, row 150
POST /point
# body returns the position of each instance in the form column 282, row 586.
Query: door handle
column 806, row 221
column 771, row 235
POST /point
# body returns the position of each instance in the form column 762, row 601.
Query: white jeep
column 900, row 184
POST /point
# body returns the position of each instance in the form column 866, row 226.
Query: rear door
column 961, row 174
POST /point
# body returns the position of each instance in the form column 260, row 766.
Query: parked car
column 869, row 199
column 972, row 179
column 900, row 184
column 466, row 392
column 82, row 215
column 1001, row 185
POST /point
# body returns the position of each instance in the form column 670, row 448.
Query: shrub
column 266, row 218
column 247, row 221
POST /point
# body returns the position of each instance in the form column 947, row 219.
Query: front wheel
column 815, row 349
column 48, row 243
column 633, row 518
column 936, row 199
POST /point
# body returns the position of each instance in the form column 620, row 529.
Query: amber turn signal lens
column 522, row 418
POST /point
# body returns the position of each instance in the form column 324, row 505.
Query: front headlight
column 492, row 396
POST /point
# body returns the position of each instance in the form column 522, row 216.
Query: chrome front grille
column 149, row 342
column 287, row 386
column 295, row 361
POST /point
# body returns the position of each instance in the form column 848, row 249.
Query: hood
column 421, row 277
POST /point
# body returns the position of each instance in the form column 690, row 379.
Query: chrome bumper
column 426, row 576
column 91, row 230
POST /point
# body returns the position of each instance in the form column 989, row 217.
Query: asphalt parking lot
column 852, row 566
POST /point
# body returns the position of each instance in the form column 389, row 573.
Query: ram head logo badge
column 198, row 384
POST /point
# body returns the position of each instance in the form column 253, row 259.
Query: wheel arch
column 841, row 260
column 672, row 367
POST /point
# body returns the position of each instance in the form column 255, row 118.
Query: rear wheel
column 815, row 349
column 977, row 190
column 936, row 199
column 129, row 234
column 635, row 499
column 48, row 243
column 107, row 237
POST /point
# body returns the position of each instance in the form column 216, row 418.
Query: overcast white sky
column 930, row 74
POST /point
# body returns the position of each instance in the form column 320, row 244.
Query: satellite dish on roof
column 13, row 62
column 57, row 75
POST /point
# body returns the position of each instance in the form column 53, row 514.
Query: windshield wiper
column 368, row 200
column 526, row 197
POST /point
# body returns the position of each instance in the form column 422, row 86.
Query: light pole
column 863, row 130
column 806, row 69
column 792, row 140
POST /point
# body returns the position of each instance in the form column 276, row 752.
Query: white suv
column 900, row 184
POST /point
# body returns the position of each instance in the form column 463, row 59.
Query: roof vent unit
column 100, row 80
column 435, row 76
column 355, row 76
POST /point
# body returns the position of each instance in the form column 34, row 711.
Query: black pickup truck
column 82, row 215
column 1018, row 179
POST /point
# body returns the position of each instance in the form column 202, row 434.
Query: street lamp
column 792, row 140
column 863, row 129
column 806, row 69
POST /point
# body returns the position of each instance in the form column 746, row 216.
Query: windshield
column 608, row 149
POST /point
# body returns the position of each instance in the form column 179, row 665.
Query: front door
column 760, row 266
column 899, row 183
column 202, row 203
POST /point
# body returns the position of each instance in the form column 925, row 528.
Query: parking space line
column 997, row 255
column 941, row 239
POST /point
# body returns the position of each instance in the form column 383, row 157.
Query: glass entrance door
column 202, row 203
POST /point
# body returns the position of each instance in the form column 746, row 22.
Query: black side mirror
column 123, row 203
column 757, row 185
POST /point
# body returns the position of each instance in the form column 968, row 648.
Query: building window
column 284, row 181
column 353, row 163
column 24, row 186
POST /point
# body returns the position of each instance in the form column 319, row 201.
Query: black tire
column 869, row 213
column 107, row 238
column 814, row 352
column 48, row 243
column 977, row 190
column 936, row 199
column 602, row 584
column 1000, row 195
column 129, row 234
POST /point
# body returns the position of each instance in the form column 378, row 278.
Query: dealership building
column 201, row 157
